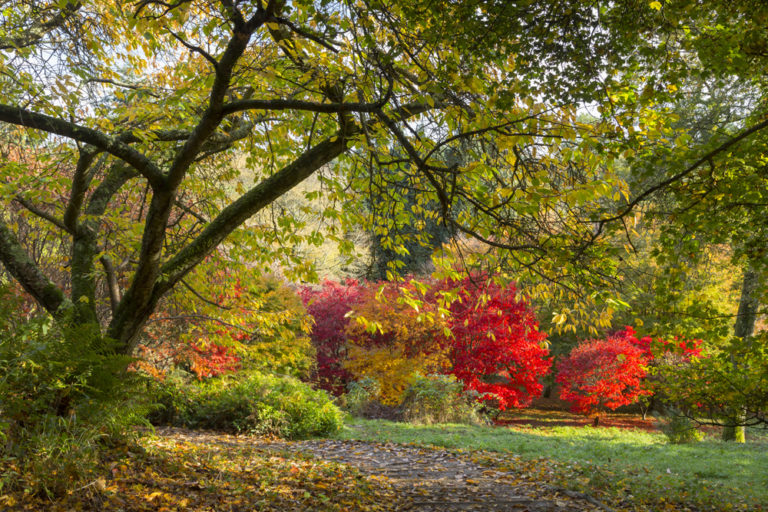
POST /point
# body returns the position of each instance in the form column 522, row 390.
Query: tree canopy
column 147, row 134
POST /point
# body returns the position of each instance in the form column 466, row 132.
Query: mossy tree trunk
column 743, row 329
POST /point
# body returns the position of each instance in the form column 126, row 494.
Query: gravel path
column 426, row 479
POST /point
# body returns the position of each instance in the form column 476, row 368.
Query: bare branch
column 207, row 56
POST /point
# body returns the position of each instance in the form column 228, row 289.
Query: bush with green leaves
column 727, row 387
column 360, row 395
column 437, row 398
column 254, row 403
column 680, row 430
column 65, row 396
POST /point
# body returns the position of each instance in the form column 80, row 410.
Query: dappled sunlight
column 608, row 460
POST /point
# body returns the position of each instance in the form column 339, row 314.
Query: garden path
column 433, row 479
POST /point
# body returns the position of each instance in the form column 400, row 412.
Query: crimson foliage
column 653, row 349
column 496, row 348
column 329, row 305
column 491, row 340
column 604, row 374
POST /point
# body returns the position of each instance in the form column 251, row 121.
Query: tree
column 603, row 374
column 151, row 102
column 392, row 341
column 495, row 347
column 716, row 172
column 718, row 208
column 330, row 305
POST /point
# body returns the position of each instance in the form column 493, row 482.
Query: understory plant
column 361, row 395
column 252, row 403
column 679, row 429
column 66, row 398
column 437, row 398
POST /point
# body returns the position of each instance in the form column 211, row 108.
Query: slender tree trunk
column 743, row 329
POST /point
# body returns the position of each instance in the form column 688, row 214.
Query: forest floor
column 428, row 479
column 186, row 470
column 538, row 460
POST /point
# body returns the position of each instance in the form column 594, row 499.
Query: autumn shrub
column 249, row 322
column 474, row 329
column 602, row 374
column 258, row 403
column 437, row 398
column 65, row 399
column 496, row 348
column 392, row 341
column 329, row 305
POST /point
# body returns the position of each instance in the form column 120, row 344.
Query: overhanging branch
column 26, row 272
column 22, row 117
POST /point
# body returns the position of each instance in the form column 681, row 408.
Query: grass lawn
column 618, row 465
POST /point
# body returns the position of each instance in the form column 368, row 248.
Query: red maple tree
column 329, row 305
column 496, row 348
column 604, row 374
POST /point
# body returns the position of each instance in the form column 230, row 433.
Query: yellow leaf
column 655, row 5
column 150, row 497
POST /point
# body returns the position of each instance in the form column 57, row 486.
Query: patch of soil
column 553, row 412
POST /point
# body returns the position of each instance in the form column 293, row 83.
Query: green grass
column 610, row 462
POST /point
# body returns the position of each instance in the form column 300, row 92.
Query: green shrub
column 439, row 399
column 360, row 395
column 171, row 396
column 254, row 403
column 680, row 430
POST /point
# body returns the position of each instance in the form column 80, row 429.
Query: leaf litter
column 184, row 470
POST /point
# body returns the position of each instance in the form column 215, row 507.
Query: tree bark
column 743, row 329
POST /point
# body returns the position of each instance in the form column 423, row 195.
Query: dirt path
column 441, row 480
column 430, row 479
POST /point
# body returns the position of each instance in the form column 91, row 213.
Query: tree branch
column 36, row 32
column 199, row 296
column 79, row 188
column 41, row 213
column 196, row 49
column 688, row 170
column 247, row 205
column 308, row 106
column 112, row 284
column 26, row 272
column 22, row 117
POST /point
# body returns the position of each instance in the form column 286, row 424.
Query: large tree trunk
column 743, row 329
